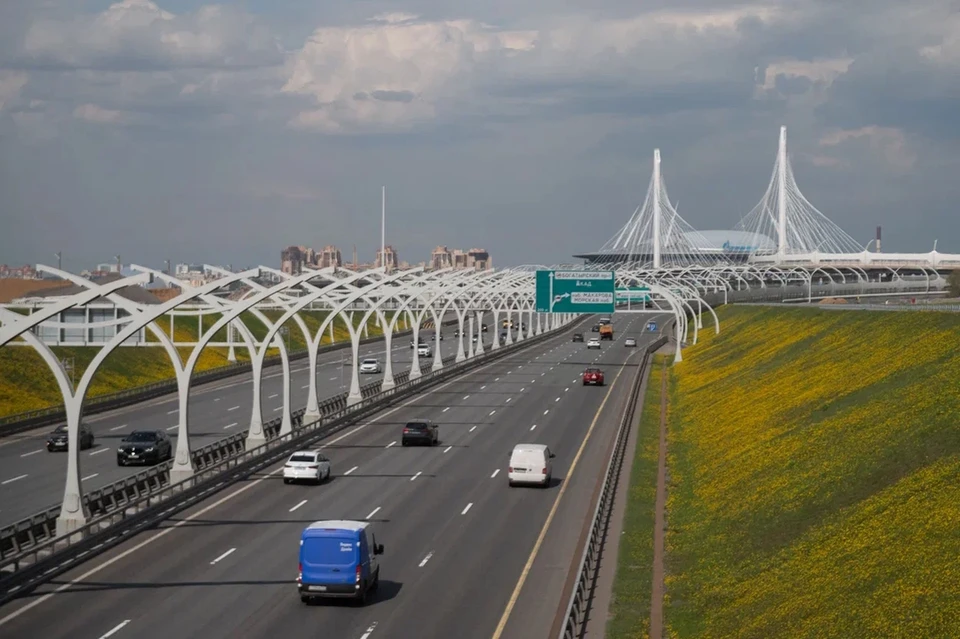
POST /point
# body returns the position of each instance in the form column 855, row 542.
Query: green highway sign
column 584, row 292
column 634, row 294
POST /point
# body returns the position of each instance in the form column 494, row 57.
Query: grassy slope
column 815, row 477
column 27, row 384
column 630, row 608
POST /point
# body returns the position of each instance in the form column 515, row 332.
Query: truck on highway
column 606, row 331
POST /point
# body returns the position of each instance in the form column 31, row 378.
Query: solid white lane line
column 33, row 452
column 298, row 505
column 445, row 409
column 370, row 629
column 426, row 559
column 447, row 449
column 373, row 512
column 492, row 412
column 97, row 452
column 230, row 425
column 234, row 408
column 495, row 473
column 532, row 427
column 89, row 477
column 351, row 470
column 171, row 412
column 472, row 428
column 117, row 628
column 223, row 556
column 417, row 475
column 393, row 443
column 118, row 427
column 13, row 479
column 470, row 505
column 274, row 395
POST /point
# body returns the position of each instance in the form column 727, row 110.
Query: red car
column 593, row 376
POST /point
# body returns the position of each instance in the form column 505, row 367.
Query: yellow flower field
column 814, row 459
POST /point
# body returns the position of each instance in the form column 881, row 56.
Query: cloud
column 888, row 142
column 11, row 83
column 139, row 35
column 94, row 113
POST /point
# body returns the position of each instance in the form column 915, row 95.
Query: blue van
column 338, row 558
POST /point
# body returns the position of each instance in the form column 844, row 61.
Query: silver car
column 630, row 342
column 370, row 366
column 593, row 343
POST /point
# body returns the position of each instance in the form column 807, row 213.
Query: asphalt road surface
column 457, row 538
column 32, row 479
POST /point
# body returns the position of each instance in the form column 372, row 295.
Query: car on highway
column 593, row 376
column 578, row 337
column 436, row 336
column 421, row 432
column 144, row 447
column 420, row 342
column 58, row 438
column 424, row 350
column 308, row 465
column 652, row 327
column 530, row 464
column 593, row 343
column 630, row 341
column 483, row 328
column 595, row 328
column 370, row 366
column 338, row 558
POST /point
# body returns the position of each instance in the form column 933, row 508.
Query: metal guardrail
column 36, row 554
column 13, row 424
column 578, row 607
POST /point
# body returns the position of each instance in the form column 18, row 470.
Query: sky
column 222, row 133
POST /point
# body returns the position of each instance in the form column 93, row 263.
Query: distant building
column 25, row 272
column 391, row 259
column 329, row 257
column 474, row 259
column 292, row 260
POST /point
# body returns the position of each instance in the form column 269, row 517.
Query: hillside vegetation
column 26, row 382
column 814, row 461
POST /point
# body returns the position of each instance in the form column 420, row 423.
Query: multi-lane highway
column 460, row 543
column 32, row 479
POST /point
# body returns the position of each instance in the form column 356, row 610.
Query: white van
column 530, row 464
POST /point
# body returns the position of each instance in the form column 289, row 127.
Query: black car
column 578, row 337
column 58, row 438
column 420, row 433
column 596, row 328
column 483, row 328
column 420, row 342
column 144, row 446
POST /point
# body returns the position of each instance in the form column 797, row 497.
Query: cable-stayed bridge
column 784, row 230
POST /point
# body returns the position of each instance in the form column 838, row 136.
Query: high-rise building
column 475, row 259
column 391, row 258
column 329, row 256
column 292, row 260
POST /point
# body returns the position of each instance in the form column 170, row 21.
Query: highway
column 31, row 478
column 457, row 538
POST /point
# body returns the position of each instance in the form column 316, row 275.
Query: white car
column 370, row 366
column 630, row 342
column 593, row 343
column 530, row 464
column 307, row 465
column 424, row 350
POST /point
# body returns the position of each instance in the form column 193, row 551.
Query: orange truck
column 606, row 331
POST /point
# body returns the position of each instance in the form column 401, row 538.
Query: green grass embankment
column 26, row 382
column 814, row 491
column 630, row 606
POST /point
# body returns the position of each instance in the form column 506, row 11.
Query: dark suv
column 578, row 337
column 424, row 433
column 144, row 447
column 58, row 438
